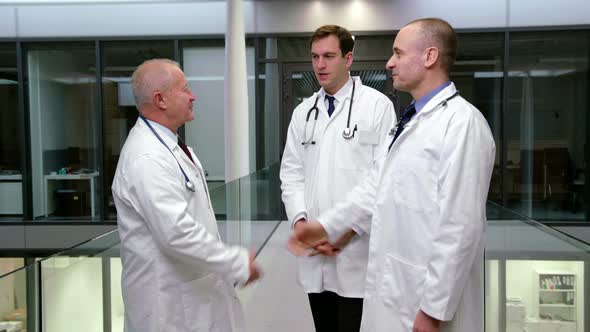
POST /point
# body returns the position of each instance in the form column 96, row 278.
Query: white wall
column 204, row 68
column 7, row 21
column 72, row 294
column 492, row 300
column 208, row 17
column 117, row 306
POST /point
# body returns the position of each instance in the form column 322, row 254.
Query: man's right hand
column 255, row 271
column 306, row 235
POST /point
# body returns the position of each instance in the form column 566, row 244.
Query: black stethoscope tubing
column 346, row 133
column 187, row 182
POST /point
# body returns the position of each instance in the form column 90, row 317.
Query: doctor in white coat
column 320, row 165
column 177, row 274
column 427, row 198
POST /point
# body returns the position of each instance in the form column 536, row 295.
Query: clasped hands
column 309, row 238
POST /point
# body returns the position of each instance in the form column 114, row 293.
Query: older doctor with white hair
column 177, row 274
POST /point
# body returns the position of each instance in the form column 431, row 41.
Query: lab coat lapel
column 430, row 107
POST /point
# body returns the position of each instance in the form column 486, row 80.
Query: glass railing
column 79, row 289
column 535, row 277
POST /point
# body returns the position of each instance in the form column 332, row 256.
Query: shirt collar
column 420, row 103
column 169, row 134
column 341, row 94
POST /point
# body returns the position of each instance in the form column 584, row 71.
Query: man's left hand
column 308, row 235
column 329, row 249
column 425, row 323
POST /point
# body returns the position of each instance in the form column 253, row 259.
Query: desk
column 11, row 194
column 91, row 177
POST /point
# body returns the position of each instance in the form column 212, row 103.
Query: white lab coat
column 315, row 177
column 427, row 198
column 177, row 274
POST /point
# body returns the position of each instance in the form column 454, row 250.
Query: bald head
column 435, row 32
column 151, row 76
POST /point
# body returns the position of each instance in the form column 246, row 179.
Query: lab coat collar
column 431, row 106
column 428, row 109
column 166, row 134
column 341, row 96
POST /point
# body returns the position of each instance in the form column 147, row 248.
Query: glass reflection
column 119, row 112
column 11, row 192
column 61, row 89
column 546, row 124
column 478, row 74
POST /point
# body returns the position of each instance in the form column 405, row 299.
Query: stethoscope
column 346, row 133
column 442, row 103
column 187, row 182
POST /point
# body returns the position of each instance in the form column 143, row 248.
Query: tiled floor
column 276, row 303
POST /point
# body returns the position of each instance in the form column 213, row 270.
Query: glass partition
column 14, row 308
column 546, row 124
column 535, row 277
column 478, row 75
column 250, row 208
column 64, row 157
column 11, row 189
column 120, row 58
column 80, row 289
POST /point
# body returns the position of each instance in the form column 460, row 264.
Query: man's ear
column 431, row 56
column 349, row 56
column 159, row 100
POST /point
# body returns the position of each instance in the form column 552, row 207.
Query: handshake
column 309, row 238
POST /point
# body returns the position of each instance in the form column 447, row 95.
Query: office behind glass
column 11, row 190
column 534, row 97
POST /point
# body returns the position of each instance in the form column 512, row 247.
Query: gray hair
column 148, row 77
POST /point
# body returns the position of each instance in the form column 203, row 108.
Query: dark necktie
column 185, row 149
column 330, row 104
column 406, row 117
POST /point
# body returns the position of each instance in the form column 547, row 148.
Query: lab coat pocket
column 402, row 285
column 353, row 154
column 203, row 306
column 367, row 137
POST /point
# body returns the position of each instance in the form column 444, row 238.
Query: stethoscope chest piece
column 347, row 133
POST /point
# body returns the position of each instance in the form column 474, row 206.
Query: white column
column 238, row 198
column 236, row 94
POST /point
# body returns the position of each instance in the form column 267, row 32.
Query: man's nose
column 390, row 63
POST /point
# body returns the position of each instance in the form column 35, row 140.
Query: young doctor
column 332, row 141
column 427, row 198
column 177, row 274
